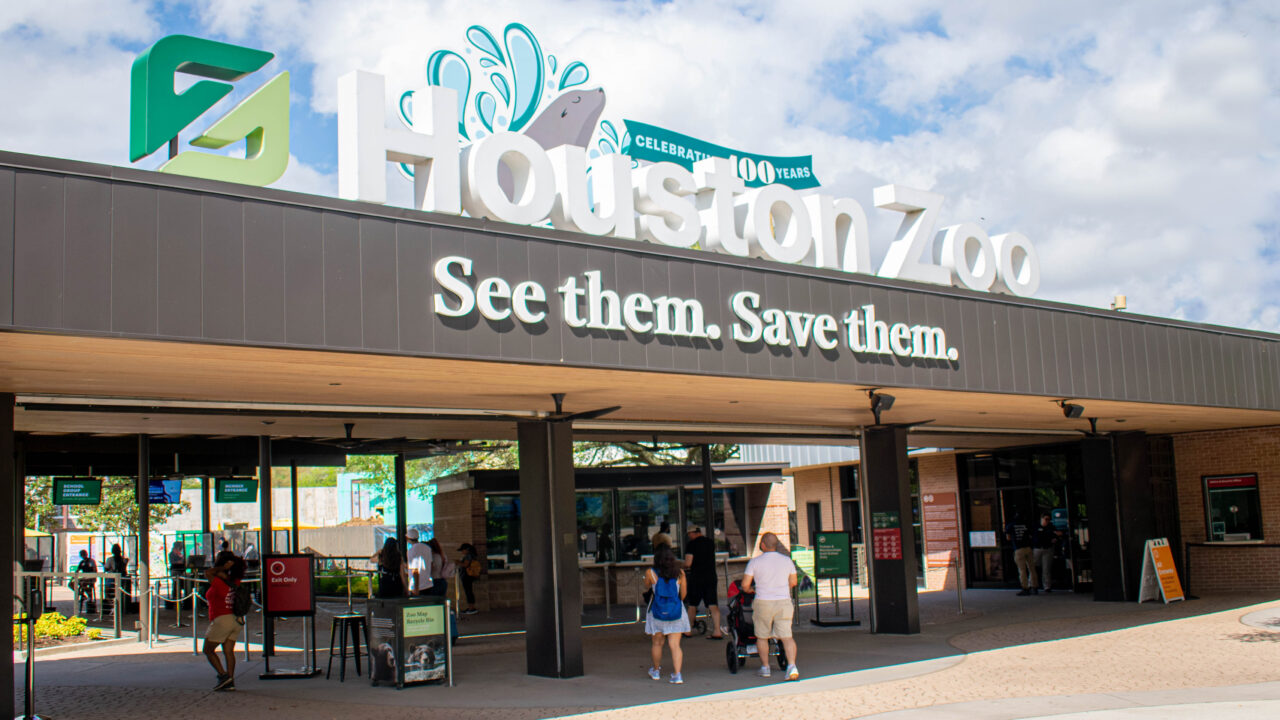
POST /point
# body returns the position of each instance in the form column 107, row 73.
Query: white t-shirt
column 771, row 575
column 419, row 560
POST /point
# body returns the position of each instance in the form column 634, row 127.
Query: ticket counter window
column 640, row 515
column 595, row 526
column 1233, row 509
column 730, row 518
column 502, row 524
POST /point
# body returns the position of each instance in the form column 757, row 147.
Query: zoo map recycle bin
column 409, row 641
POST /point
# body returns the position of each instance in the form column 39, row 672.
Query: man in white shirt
column 419, row 564
column 771, row 575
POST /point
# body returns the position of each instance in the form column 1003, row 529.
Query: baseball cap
column 411, row 535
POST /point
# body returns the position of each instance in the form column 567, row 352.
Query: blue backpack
column 666, row 603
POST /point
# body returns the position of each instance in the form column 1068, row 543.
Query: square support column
column 891, row 557
column 402, row 503
column 1098, row 467
column 548, row 530
column 265, row 534
column 143, row 561
column 10, row 487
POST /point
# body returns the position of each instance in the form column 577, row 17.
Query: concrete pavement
column 1007, row 657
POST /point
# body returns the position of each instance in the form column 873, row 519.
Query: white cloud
column 1136, row 144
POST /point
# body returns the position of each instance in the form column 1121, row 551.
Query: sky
column 1136, row 144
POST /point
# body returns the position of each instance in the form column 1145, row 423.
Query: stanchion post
column 955, row 562
column 448, row 641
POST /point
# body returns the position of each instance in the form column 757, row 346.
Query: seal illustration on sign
column 513, row 86
column 570, row 119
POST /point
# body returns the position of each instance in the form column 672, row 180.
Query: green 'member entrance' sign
column 654, row 144
column 236, row 490
column 831, row 555
column 77, row 491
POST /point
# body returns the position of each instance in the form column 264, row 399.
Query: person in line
column 419, row 564
column 1046, row 545
column 84, row 586
column 771, row 575
column 667, row 618
column 177, row 558
column 224, row 626
column 700, row 562
column 116, row 563
column 663, row 536
column 441, row 568
column 393, row 576
column 472, row 569
column 1019, row 536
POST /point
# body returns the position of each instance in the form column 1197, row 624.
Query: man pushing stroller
column 771, row 575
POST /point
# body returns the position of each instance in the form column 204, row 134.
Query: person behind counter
column 393, row 578
column 471, row 568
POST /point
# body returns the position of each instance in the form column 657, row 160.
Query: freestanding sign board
column 941, row 528
column 288, row 585
column 831, row 558
column 289, row 590
column 1159, row 575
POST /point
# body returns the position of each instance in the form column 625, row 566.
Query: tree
column 41, row 513
column 602, row 454
column 118, row 511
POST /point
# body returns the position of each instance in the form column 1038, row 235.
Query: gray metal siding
column 6, row 246
column 103, row 255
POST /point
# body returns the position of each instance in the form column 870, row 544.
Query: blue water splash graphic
column 524, row 81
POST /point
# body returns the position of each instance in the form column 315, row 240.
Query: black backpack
column 241, row 601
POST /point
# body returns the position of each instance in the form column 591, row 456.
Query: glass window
column 595, row 526
column 1233, row 509
column 850, row 505
column 729, row 517
column 502, row 529
column 641, row 514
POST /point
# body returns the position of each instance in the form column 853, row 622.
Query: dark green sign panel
column 236, row 490
column 882, row 520
column 831, row 557
column 77, row 491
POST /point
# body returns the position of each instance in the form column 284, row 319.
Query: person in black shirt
column 1019, row 536
column 700, row 561
column 1045, row 542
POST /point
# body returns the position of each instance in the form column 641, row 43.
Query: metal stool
column 338, row 630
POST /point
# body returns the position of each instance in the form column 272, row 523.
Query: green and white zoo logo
column 158, row 113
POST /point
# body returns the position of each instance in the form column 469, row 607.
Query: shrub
column 95, row 633
column 53, row 625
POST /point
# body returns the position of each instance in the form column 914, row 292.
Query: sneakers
column 1024, row 592
column 764, row 671
column 677, row 679
column 470, row 611
column 1048, row 590
column 793, row 673
column 225, row 682
column 655, row 673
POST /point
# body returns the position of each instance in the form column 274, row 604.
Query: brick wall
column 820, row 485
column 459, row 518
column 1230, row 568
column 771, row 509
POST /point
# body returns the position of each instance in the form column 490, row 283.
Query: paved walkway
column 1008, row 657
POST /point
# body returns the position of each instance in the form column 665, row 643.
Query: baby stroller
column 742, row 632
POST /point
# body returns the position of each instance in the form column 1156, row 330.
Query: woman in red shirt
column 224, row 626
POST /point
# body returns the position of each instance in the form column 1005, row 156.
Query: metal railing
column 101, row 583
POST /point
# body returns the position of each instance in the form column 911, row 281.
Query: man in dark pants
column 1019, row 536
column 702, row 583
column 1045, row 542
